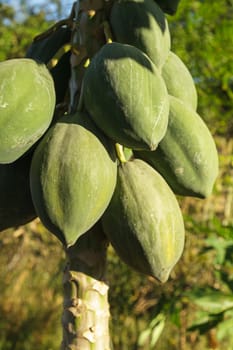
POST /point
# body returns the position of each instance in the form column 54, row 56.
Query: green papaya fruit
column 126, row 96
column 44, row 48
column 187, row 157
column 141, row 23
column 179, row 81
column 143, row 221
column 27, row 102
column 72, row 177
column 16, row 207
column 61, row 76
column 168, row 6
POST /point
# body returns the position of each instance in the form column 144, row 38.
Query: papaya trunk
column 85, row 318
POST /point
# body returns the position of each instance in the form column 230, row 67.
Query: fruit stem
column 54, row 60
column 107, row 32
column 80, row 102
column 120, row 153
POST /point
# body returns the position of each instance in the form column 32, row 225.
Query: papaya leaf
column 201, row 318
column 212, row 301
column 224, row 329
column 220, row 245
column 204, row 322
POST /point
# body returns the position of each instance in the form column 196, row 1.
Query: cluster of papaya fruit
column 120, row 156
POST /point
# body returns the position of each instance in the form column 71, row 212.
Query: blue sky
column 66, row 5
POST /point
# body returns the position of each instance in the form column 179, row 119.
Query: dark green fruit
column 45, row 48
column 16, row 207
column 73, row 176
column 186, row 157
column 179, row 81
column 143, row 221
column 141, row 23
column 27, row 102
column 168, row 6
column 61, row 77
column 126, row 96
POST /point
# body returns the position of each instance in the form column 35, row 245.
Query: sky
column 66, row 6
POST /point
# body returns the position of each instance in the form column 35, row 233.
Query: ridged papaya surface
column 143, row 221
column 27, row 101
column 168, row 6
column 73, row 176
column 179, row 80
column 142, row 23
column 126, row 96
column 187, row 157
column 16, row 207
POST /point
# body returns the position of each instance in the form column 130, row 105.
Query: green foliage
column 31, row 295
column 204, row 41
column 15, row 37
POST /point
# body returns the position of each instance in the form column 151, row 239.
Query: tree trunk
column 86, row 310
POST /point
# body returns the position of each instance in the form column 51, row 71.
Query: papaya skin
column 187, row 157
column 143, row 221
column 24, row 117
column 72, row 177
column 126, row 96
column 143, row 25
column 16, row 207
column 179, row 81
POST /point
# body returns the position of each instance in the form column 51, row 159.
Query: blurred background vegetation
column 194, row 309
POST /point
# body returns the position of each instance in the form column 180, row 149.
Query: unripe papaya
column 27, row 101
column 126, row 96
column 72, row 177
column 61, row 76
column 179, row 81
column 44, row 48
column 16, row 207
column 168, row 6
column 143, row 221
column 187, row 157
column 142, row 23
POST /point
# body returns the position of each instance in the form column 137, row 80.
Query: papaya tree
column 101, row 116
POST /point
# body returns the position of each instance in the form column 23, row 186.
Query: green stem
column 120, row 152
column 107, row 32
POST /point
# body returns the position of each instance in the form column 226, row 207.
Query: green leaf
column 212, row 301
column 153, row 332
column 225, row 329
column 156, row 333
column 144, row 336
